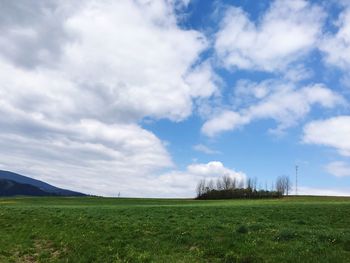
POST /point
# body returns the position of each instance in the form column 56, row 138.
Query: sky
column 145, row 98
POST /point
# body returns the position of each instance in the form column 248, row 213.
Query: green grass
column 295, row 229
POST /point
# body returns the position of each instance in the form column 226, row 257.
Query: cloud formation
column 304, row 190
column 184, row 182
column 76, row 79
column 271, row 99
column 336, row 46
column 286, row 32
column 333, row 132
column 205, row 149
column 339, row 169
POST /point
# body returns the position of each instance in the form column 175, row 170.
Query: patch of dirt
column 40, row 247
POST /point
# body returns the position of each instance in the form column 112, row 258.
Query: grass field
column 295, row 229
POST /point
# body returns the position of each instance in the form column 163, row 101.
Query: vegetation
column 87, row 229
column 238, row 193
column 228, row 188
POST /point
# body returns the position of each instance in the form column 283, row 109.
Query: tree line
column 226, row 187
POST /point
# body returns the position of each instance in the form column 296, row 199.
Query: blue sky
column 147, row 98
column 252, row 149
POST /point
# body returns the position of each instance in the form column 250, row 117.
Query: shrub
column 285, row 235
column 242, row 229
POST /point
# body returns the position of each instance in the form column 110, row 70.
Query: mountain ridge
column 13, row 188
column 40, row 185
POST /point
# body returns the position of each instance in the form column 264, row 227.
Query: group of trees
column 283, row 185
column 227, row 188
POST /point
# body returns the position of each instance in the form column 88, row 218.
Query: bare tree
column 226, row 182
column 219, row 184
column 211, row 185
column 283, row 185
column 280, row 185
column 249, row 183
column 288, row 184
column 254, row 183
column 234, row 183
column 201, row 187
column 240, row 184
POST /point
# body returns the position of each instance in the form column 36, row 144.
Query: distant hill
column 12, row 188
column 15, row 183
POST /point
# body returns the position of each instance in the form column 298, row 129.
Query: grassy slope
column 302, row 229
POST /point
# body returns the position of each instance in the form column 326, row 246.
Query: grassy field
column 295, row 229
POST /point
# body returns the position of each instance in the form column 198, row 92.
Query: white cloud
column 339, row 169
column 143, row 62
column 184, row 182
column 213, row 169
column 180, row 3
column 205, row 149
column 333, row 132
column 224, row 121
column 274, row 100
column 287, row 31
column 87, row 156
column 304, row 190
column 287, row 105
column 72, row 99
column 298, row 73
column 129, row 58
column 336, row 47
column 245, row 91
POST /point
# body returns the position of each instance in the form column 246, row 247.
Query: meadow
column 91, row 229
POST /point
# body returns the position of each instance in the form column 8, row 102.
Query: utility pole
column 296, row 179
